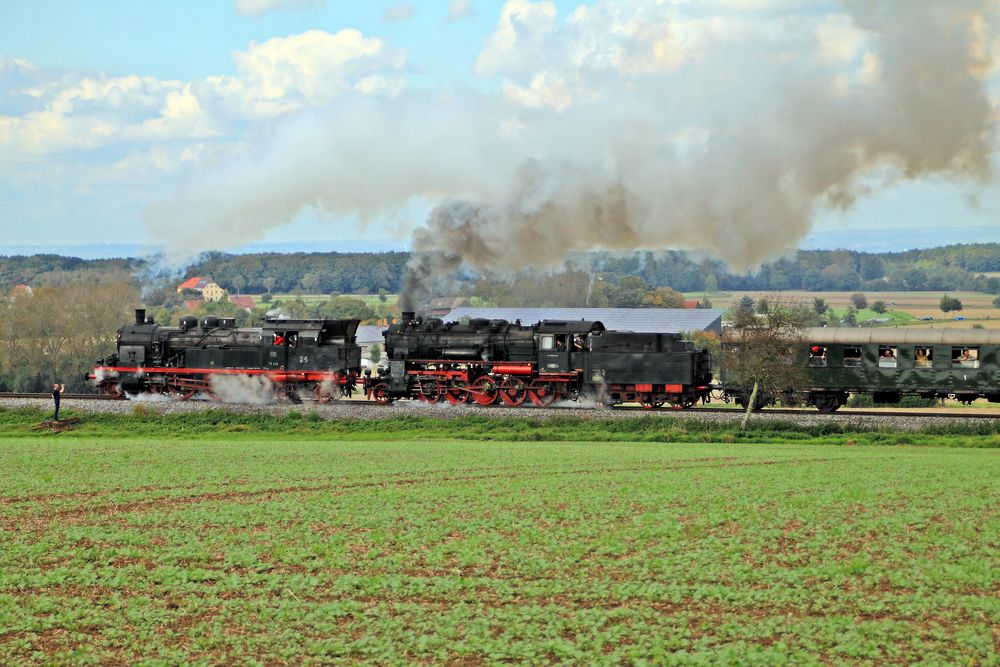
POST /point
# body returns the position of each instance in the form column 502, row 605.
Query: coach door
column 553, row 353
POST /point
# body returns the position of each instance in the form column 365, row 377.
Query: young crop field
column 255, row 548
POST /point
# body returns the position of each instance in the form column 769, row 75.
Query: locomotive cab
column 562, row 345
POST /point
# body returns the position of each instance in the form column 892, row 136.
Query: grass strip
column 309, row 423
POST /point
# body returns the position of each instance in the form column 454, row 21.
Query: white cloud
column 311, row 68
column 519, row 40
column 73, row 111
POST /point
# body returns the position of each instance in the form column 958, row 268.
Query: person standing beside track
column 57, row 390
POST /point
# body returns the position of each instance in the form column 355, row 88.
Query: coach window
column 817, row 355
column 886, row 356
column 923, row 357
column 852, row 356
column 548, row 342
column 965, row 357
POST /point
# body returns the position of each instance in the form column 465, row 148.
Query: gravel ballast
column 362, row 409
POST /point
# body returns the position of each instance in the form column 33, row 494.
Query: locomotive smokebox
column 140, row 316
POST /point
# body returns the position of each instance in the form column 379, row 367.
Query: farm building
column 210, row 290
column 244, row 302
column 370, row 336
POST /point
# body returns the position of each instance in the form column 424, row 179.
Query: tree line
column 951, row 268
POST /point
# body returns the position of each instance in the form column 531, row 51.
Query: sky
column 732, row 126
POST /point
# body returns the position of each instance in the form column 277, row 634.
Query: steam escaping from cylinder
column 641, row 125
column 252, row 389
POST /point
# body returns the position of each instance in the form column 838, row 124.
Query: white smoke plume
column 635, row 125
column 252, row 389
column 146, row 397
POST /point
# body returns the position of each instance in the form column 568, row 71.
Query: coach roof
column 903, row 335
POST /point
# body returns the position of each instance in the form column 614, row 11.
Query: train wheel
column 456, row 396
column 486, row 391
column 513, row 392
column 115, row 391
column 542, row 394
column 380, row 393
column 649, row 405
column 181, row 393
column 429, row 393
column 682, row 403
column 827, row 404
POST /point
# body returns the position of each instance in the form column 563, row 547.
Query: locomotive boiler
column 495, row 361
column 289, row 356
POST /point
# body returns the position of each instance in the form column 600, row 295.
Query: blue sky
column 240, row 121
column 190, row 39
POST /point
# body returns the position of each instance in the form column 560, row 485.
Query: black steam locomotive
column 294, row 356
column 495, row 361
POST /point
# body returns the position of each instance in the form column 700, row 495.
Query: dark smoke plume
column 726, row 134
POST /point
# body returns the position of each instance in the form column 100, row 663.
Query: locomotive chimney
column 408, row 316
column 140, row 316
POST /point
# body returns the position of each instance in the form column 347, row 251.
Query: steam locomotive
column 292, row 357
column 495, row 361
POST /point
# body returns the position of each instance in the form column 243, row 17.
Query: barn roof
column 370, row 334
column 647, row 320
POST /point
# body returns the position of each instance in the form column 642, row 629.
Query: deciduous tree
column 950, row 303
column 762, row 353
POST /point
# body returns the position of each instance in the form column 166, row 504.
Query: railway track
column 926, row 413
column 84, row 397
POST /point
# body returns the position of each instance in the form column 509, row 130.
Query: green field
column 317, row 550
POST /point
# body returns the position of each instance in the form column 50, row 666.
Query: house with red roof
column 208, row 288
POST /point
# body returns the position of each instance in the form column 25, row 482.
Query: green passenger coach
column 889, row 363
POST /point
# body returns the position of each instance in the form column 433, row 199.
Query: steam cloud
column 253, row 389
column 669, row 130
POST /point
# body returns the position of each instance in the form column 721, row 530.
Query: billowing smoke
column 635, row 125
column 252, row 389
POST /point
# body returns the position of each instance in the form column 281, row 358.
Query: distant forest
column 959, row 267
